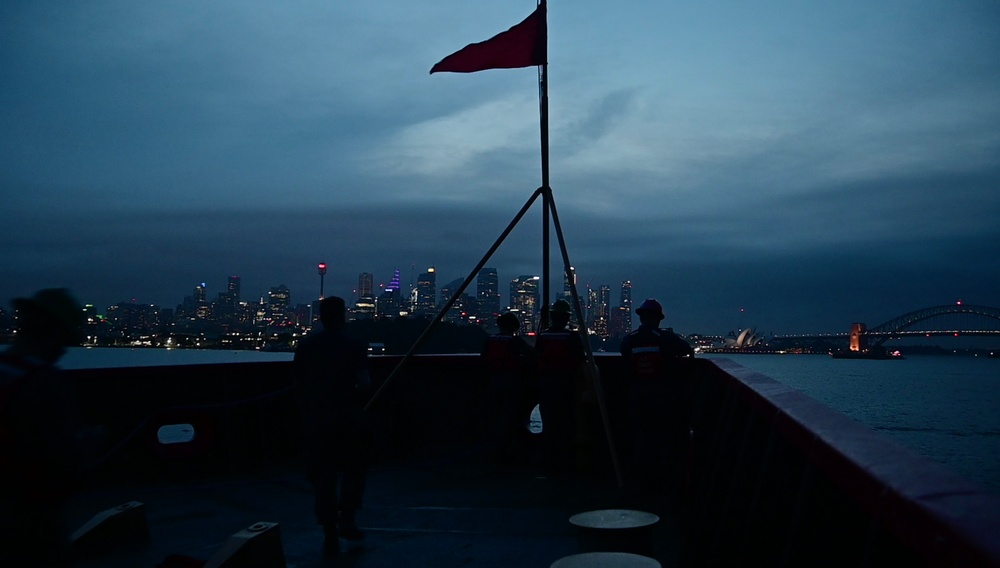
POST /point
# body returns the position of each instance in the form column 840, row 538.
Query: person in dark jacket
column 561, row 353
column 510, row 363
column 658, row 425
column 332, row 385
column 43, row 443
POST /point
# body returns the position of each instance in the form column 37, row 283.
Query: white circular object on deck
column 605, row 560
column 611, row 519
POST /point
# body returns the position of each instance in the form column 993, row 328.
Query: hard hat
column 650, row 306
column 561, row 307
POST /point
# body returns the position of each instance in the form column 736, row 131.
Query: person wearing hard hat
column 510, row 363
column 650, row 357
column 42, row 447
column 561, row 352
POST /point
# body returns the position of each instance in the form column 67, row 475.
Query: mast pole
column 543, row 116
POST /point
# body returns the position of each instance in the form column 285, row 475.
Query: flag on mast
column 523, row 45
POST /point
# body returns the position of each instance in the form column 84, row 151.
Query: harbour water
column 110, row 357
column 946, row 408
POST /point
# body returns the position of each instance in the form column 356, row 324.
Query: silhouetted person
column 332, row 387
column 510, row 363
column 658, row 425
column 42, row 442
column 560, row 353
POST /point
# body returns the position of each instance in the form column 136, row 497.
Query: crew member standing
column 560, row 355
column 659, row 427
column 43, row 444
column 332, row 386
column 510, row 362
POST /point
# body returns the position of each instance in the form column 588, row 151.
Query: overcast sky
column 811, row 163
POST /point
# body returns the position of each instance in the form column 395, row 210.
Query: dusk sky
column 811, row 163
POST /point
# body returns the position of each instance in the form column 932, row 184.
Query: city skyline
column 202, row 292
column 786, row 166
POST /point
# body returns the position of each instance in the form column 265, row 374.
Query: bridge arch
column 905, row 321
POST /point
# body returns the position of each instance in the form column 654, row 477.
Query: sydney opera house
column 747, row 338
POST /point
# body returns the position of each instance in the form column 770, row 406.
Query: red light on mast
column 322, row 268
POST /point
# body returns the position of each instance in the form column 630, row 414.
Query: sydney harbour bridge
column 957, row 320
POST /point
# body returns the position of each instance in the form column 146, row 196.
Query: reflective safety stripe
column 647, row 359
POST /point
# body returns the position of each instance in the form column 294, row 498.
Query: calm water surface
column 945, row 408
column 107, row 357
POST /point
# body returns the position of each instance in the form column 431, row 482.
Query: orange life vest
column 646, row 355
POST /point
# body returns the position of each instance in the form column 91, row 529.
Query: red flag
column 523, row 45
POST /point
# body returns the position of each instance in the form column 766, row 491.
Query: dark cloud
column 821, row 166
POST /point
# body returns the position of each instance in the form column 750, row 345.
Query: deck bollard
column 615, row 530
column 125, row 523
column 257, row 546
column 605, row 559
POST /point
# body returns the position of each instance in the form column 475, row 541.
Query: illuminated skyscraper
column 228, row 302
column 461, row 309
column 364, row 306
column 199, row 293
column 389, row 304
column 234, row 289
column 600, row 310
column 621, row 317
column 567, row 288
column 487, row 295
column 279, row 299
column 366, row 283
column 524, row 301
column 426, row 292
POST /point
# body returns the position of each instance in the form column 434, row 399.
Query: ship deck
column 772, row 476
column 443, row 513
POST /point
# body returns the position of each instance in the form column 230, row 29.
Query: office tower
column 279, row 297
column 366, row 283
column 524, row 301
column 569, row 280
column 364, row 306
column 487, row 295
column 590, row 306
column 621, row 317
column 426, row 292
column 233, row 289
column 199, row 293
column 464, row 305
column 133, row 320
column 600, row 311
column 278, row 301
column 393, row 285
column 626, row 303
column 226, row 304
column 389, row 304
